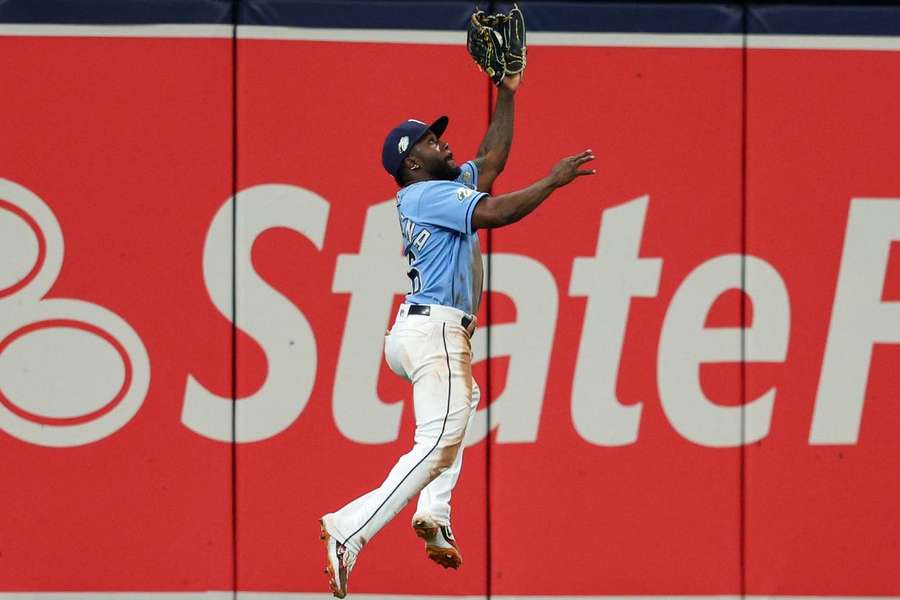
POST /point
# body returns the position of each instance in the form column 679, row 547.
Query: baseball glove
column 515, row 41
column 497, row 43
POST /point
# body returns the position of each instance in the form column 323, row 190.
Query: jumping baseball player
column 441, row 205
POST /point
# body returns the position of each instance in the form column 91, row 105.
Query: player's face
column 436, row 157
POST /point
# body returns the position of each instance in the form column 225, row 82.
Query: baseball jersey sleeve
column 448, row 204
column 468, row 175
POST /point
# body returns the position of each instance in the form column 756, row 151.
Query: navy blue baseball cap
column 401, row 139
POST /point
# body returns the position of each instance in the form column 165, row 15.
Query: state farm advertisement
column 688, row 361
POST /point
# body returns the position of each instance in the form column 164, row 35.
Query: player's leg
column 434, row 500
column 431, row 521
column 436, row 358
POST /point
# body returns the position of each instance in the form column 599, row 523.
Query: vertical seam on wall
column 488, row 380
column 235, row 17
column 743, row 306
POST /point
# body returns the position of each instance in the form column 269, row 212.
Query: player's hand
column 566, row 170
column 511, row 82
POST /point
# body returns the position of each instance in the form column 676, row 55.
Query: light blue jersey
column 444, row 254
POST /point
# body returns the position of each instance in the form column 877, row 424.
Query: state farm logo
column 71, row 372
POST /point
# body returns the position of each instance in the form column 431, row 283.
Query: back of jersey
column 443, row 251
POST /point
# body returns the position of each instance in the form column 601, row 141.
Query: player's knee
column 445, row 458
column 455, row 430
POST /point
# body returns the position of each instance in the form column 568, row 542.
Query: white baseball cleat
column 439, row 542
column 339, row 561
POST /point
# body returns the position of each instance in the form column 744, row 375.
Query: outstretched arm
column 494, row 149
column 497, row 211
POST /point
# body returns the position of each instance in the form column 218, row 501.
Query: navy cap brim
column 440, row 125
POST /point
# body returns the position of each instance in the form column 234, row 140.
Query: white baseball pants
column 434, row 353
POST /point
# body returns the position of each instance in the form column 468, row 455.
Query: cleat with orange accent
column 339, row 561
column 440, row 544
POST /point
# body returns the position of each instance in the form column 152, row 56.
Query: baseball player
column 441, row 206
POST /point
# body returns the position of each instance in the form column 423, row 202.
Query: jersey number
column 413, row 275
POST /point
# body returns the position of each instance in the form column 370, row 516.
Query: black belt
column 425, row 311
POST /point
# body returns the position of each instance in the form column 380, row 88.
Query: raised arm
column 494, row 149
column 497, row 211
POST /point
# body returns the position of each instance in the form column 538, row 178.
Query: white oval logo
column 59, row 372
column 71, row 372
column 403, row 144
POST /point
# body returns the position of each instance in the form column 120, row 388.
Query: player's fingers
column 580, row 155
column 581, row 172
column 583, row 159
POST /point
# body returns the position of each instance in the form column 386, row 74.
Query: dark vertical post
column 235, row 18
column 743, row 306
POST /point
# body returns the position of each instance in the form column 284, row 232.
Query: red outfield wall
column 634, row 453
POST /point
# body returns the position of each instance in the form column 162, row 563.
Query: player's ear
column 411, row 163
